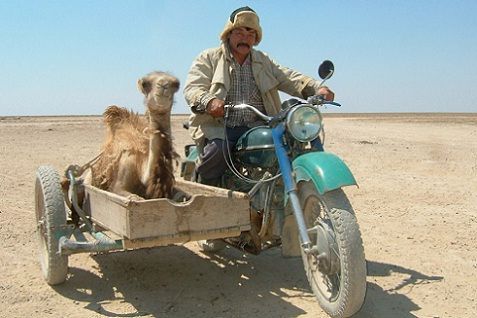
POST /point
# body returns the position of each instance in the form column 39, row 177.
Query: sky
column 76, row 57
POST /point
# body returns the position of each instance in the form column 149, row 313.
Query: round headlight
column 304, row 122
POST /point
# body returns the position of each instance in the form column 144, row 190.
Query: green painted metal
column 102, row 243
column 255, row 148
column 188, row 165
column 327, row 171
column 193, row 154
column 256, row 138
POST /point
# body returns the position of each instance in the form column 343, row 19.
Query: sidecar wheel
column 51, row 220
column 337, row 275
column 211, row 246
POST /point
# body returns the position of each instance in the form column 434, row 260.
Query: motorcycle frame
column 290, row 185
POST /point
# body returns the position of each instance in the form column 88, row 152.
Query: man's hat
column 242, row 17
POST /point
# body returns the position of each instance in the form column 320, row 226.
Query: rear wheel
column 51, row 223
column 337, row 273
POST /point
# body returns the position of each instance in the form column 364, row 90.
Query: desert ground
column 416, row 204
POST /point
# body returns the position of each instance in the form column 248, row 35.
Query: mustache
column 243, row 44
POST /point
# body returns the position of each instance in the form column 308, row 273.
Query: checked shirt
column 243, row 90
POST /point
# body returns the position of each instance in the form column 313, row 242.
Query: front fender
column 327, row 171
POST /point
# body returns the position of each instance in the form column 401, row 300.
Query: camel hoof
column 180, row 197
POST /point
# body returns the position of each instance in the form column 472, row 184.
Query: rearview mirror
column 326, row 69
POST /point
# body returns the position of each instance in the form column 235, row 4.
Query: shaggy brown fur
column 137, row 157
column 128, row 137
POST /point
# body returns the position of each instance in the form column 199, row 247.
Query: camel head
column 158, row 89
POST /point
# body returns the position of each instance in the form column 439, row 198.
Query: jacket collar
column 222, row 72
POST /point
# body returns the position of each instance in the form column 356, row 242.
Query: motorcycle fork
column 290, row 185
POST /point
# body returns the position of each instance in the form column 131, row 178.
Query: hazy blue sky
column 76, row 57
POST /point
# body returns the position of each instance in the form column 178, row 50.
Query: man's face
column 241, row 40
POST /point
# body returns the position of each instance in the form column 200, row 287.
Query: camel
column 137, row 157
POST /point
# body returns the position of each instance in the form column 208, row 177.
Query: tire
column 211, row 246
column 337, row 276
column 51, row 221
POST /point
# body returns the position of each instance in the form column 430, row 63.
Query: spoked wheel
column 337, row 273
column 51, row 221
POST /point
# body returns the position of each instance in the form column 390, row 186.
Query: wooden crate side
column 209, row 210
column 107, row 211
column 193, row 187
column 200, row 214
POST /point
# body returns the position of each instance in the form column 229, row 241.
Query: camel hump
column 113, row 115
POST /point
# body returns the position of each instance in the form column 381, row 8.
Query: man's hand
column 326, row 93
column 215, row 108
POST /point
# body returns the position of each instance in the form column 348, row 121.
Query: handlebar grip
column 320, row 100
column 332, row 103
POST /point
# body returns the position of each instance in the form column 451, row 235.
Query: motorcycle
column 296, row 199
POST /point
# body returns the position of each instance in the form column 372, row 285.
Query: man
column 235, row 73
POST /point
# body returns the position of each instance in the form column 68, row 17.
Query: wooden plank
column 208, row 211
column 180, row 239
column 194, row 187
column 106, row 210
column 164, row 217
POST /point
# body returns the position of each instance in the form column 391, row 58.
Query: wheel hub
column 327, row 250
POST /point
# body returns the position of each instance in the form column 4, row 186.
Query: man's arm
column 199, row 79
column 311, row 90
column 297, row 84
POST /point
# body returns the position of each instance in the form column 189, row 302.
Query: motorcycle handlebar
column 319, row 100
column 245, row 106
column 316, row 100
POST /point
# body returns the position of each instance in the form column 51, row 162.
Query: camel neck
column 160, row 123
column 159, row 176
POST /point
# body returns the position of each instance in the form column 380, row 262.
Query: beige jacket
column 209, row 77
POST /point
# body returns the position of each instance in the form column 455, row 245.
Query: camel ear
column 144, row 86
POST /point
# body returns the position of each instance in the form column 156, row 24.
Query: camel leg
column 126, row 183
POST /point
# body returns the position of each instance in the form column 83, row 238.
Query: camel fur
column 137, row 158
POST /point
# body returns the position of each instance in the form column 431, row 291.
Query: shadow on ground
column 393, row 302
column 176, row 282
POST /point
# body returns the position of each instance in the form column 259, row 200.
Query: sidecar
column 107, row 221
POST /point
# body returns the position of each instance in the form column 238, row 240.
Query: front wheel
column 337, row 271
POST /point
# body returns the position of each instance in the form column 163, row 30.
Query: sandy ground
column 416, row 205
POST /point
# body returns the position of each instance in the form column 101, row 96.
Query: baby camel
column 137, row 158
